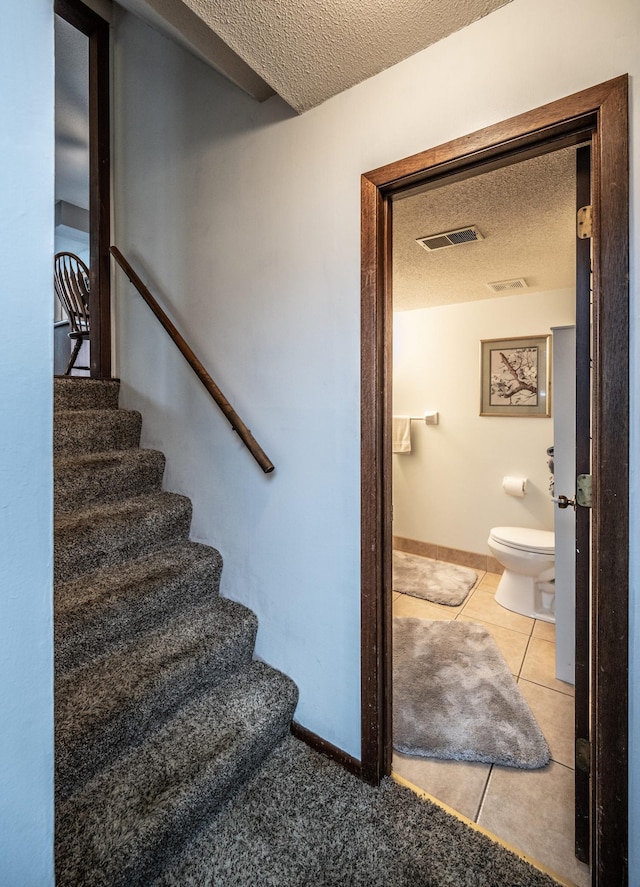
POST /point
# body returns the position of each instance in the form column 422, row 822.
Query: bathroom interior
column 477, row 490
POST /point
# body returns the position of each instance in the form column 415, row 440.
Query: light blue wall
column 26, row 247
column 246, row 219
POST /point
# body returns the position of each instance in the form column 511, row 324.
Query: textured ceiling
column 526, row 212
column 308, row 51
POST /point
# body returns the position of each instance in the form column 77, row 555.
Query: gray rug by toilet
column 454, row 697
column 434, row 581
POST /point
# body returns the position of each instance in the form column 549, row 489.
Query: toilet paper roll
column 514, row 486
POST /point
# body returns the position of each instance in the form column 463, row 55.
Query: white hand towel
column 401, row 434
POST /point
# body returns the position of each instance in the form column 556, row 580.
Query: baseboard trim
column 471, row 559
column 351, row 764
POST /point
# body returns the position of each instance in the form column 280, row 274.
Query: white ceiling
column 526, row 212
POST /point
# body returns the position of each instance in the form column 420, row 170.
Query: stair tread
column 92, row 430
column 83, row 392
column 113, row 603
column 105, row 476
column 93, row 412
column 108, row 702
column 125, row 823
column 112, row 532
column 103, row 685
column 74, row 461
column 132, row 506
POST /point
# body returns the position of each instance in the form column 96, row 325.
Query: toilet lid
column 542, row 541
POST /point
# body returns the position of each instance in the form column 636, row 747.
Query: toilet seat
column 524, row 539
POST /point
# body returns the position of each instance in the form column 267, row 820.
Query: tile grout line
column 526, row 650
column 547, row 687
column 484, row 795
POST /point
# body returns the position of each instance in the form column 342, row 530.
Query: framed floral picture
column 515, row 377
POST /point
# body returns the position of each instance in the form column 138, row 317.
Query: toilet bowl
column 527, row 584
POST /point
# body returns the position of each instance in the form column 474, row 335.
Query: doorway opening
column 499, row 306
column 82, row 212
column 597, row 116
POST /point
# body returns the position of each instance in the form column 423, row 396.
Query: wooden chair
column 71, row 284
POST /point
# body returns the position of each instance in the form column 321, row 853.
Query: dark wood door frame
column 97, row 30
column 598, row 115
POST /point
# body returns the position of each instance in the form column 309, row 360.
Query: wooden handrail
column 236, row 422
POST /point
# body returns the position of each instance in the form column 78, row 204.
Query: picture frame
column 515, row 377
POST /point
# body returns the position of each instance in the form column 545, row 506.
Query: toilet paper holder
column 514, row 486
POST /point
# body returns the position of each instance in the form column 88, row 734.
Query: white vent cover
column 450, row 238
column 506, row 286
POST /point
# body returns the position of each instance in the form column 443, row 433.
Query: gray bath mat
column 454, row 697
column 431, row 580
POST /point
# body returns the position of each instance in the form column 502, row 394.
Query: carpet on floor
column 454, row 697
column 303, row 820
column 431, row 580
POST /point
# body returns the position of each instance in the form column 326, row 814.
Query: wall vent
column 507, row 286
column 431, row 242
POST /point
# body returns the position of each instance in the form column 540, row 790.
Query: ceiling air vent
column 470, row 234
column 508, row 286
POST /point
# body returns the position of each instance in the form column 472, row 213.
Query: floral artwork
column 515, row 377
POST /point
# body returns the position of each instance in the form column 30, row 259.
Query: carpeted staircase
column 161, row 712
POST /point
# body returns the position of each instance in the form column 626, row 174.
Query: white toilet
column 527, row 585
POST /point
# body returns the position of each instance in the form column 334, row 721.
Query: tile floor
column 528, row 809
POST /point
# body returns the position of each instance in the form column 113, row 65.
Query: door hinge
column 584, row 228
column 583, row 755
column 583, row 490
